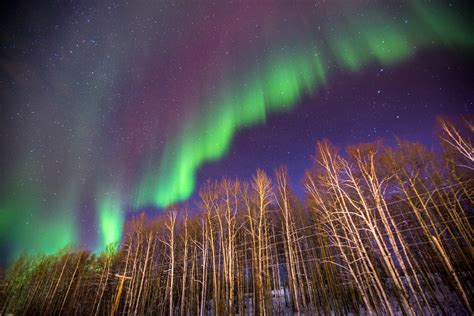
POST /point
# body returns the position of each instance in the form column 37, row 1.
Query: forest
column 381, row 230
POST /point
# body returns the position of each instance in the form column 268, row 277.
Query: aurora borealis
column 112, row 107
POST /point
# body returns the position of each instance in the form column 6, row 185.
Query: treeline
column 382, row 230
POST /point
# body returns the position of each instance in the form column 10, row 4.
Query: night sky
column 109, row 108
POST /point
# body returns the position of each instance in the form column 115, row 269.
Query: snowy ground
column 280, row 306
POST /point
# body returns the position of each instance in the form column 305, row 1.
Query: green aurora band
column 274, row 80
column 283, row 78
column 51, row 233
column 110, row 220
